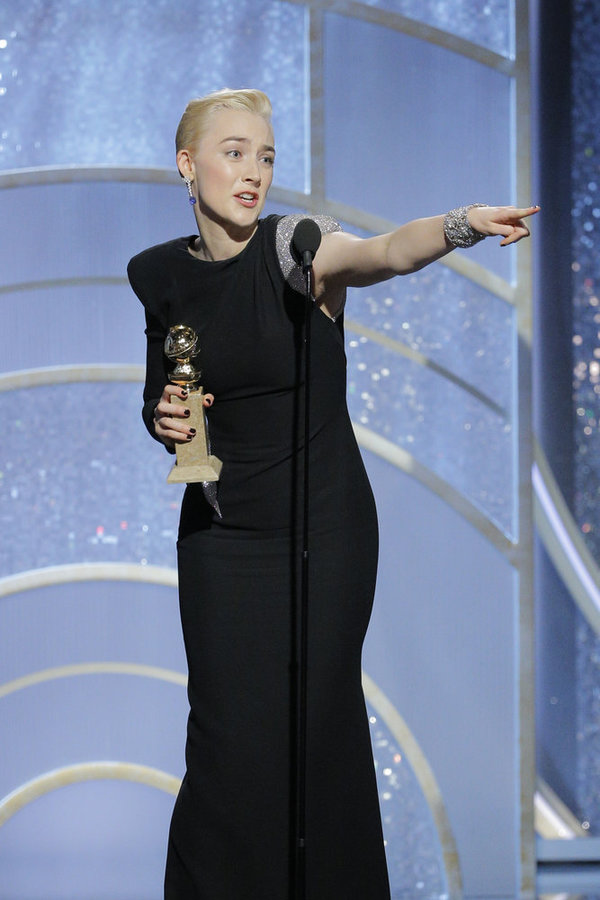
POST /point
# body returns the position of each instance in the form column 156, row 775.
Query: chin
column 249, row 219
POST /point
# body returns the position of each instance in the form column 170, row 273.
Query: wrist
column 458, row 230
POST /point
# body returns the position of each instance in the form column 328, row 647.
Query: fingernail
column 189, row 437
column 184, row 394
column 192, row 431
column 187, row 412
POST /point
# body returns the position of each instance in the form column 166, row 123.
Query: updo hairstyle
column 196, row 119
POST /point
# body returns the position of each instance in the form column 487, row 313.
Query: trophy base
column 208, row 471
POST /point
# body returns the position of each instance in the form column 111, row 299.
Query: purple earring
column 188, row 184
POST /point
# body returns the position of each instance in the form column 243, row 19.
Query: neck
column 218, row 241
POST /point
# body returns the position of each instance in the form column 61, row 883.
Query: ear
column 185, row 163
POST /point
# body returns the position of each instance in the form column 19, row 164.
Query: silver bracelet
column 457, row 228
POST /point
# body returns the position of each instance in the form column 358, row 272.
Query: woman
column 237, row 285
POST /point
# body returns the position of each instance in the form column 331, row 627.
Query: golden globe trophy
column 194, row 460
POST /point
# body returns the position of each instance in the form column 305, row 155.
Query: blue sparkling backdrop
column 585, row 235
column 86, row 82
column 485, row 22
column 469, row 333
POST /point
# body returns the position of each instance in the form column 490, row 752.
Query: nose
column 252, row 172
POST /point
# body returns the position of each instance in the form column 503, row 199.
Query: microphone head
column 306, row 237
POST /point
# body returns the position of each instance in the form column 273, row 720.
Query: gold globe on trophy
column 194, row 460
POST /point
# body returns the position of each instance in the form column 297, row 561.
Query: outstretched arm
column 344, row 260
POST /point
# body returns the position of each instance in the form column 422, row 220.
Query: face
column 232, row 168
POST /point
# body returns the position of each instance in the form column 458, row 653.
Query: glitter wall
column 99, row 83
column 585, row 231
column 489, row 24
column 568, row 391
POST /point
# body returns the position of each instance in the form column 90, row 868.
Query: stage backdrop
column 382, row 113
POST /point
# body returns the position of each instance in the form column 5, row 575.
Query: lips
column 247, row 198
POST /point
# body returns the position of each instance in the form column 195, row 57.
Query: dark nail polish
column 192, row 431
column 187, row 412
column 184, row 394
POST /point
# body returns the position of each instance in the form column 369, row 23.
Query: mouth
column 247, row 198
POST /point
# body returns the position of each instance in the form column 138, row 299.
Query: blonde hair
column 196, row 118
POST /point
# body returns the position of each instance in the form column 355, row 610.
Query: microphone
column 305, row 242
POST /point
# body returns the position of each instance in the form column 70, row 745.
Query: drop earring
column 188, row 184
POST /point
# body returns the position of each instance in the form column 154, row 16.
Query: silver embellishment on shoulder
column 283, row 239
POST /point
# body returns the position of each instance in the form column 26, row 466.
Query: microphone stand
column 300, row 885
column 305, row 243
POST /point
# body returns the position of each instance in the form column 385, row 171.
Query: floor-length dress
column 239, row 588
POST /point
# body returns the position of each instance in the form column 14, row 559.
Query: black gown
column 239, row 579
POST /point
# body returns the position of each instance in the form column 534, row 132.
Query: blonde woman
column 236, row 283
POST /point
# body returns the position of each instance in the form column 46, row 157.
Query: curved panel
column 48, row 525
column 120, row 216
column 53, row 375
column 86, row 572
column 489, row 24
column 57, row 110
column 92, row 668
column 71, row 324
column 442, row 643
column 92, row 771
column 565, row 545
column 91, row 490
column 101, row 839
column 419, row 841
column 450, row 320
column 82, row 716
column 369, row 403
column 461, row 440
column 398, row 855
column 398, row 457
column 78, row 622
column 553, row 819
column 419, row 162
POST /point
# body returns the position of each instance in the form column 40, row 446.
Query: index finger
column 523, row 213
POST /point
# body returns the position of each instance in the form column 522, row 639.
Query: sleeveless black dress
column 239, row 579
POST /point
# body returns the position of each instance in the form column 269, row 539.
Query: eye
column 269, row 160
column 235, row 154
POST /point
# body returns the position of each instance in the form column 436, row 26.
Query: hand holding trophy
column 194, row 460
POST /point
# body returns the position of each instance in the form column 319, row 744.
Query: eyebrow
column 243, row 140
